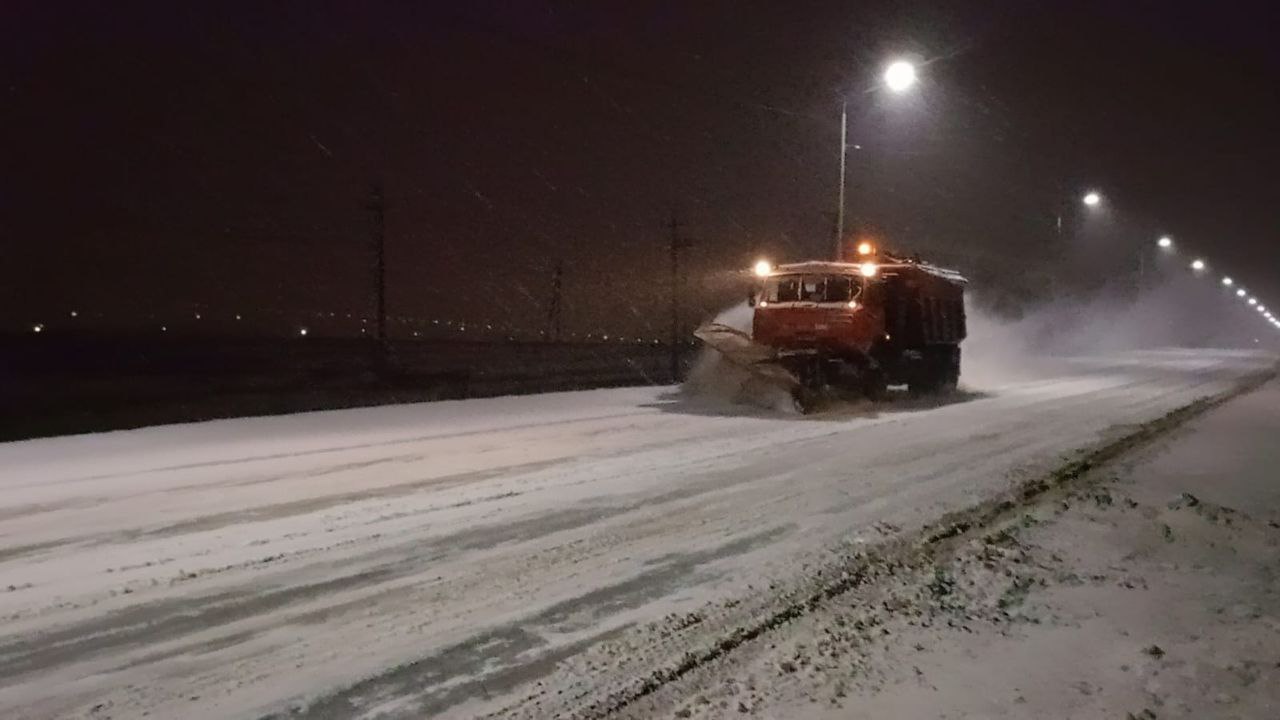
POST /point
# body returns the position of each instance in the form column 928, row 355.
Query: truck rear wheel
column 952, row 379
column 874, row 386
column 938, row 371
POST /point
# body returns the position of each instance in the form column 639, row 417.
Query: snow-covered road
column 439, row 559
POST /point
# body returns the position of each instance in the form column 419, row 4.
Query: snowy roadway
column 440, row 559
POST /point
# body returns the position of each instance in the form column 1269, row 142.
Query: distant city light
column 37, row 328
column 1092, row 198
column 197, row 316
column 74, row 313
column 237, row 317
column 1228, row 281
column 164, row 328
column 1165, row 242
column 1197, row 264
column 302, row 332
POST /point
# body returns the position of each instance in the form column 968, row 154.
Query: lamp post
column 899, row 77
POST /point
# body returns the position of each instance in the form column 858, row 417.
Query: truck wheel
column 934, row 372
column 924, row 381
column 953, row 369
column 806, row 400
column 874, row 386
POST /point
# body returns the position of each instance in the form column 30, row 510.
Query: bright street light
column 1092, row 198
column 763, row 268
column 900, row 76
column 1197, row 264
column 1165, row 242
column 1240, row 292
column 1228, row 281
column 1253, row 301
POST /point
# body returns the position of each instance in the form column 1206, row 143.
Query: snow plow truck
column 850, row 327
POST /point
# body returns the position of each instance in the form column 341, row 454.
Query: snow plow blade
column 738, row 348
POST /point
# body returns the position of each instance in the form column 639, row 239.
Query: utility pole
column 677, row 244
column 844, row 150
column 554, row 311
column 377, row 215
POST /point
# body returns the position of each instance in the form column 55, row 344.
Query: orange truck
column 851, row 327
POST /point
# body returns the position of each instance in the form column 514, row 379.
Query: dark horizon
column 218, row 159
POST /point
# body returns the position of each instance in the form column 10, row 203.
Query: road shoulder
column 1147, row 589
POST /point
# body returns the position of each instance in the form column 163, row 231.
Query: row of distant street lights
column 1093, row 198
column 899, row 77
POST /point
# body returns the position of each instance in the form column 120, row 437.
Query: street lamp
column 899, row 77
column 1240, row 292
column 763, row 268
column 1092, row 198
column 1253, row 301
column 1228, row 281
column 1197, row 264
column 1165, row 242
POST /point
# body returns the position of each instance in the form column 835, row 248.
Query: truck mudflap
column 737, row 347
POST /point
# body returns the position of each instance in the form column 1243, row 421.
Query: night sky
column 163, row 159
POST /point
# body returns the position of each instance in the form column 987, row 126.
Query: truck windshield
column 811, row 288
